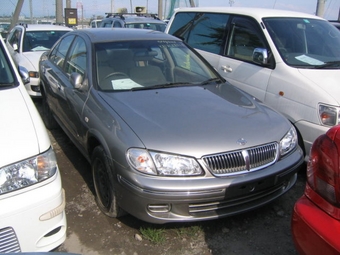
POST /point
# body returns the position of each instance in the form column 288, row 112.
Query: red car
column 316, row 217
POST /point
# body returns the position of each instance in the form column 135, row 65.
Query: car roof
column 45, row 27
column 257, row 13
column 97, row 35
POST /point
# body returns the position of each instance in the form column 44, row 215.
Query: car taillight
column 323, row 172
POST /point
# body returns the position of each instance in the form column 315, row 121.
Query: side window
column 107, row 24
column 117, row 24
column 59, row 52
column 14, row 37
column 76, row 59
column 181, row 25
column 204, row 31
column 245, row 36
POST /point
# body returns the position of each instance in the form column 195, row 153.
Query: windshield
column 149, row 64
column 305, row 43
column 6, row 75
column 153, row 26
column 41, row 40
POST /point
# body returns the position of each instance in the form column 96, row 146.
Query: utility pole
column 160, row 9
column 320, row 8
column 68, row 3
column 31, row 11
column 59, row 11
column 16, row 14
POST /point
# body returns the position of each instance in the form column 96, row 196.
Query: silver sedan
column 167, row 137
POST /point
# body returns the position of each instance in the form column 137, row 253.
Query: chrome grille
column 8, row 241
column 249, row 159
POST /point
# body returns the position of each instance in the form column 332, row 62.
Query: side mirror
column 260, row 56
column 24, row 74
column 15, row 47
column 76, row 80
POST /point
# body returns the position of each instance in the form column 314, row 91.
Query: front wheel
column 104, row 184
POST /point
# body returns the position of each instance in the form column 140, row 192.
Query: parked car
column 316, row 217
column 26, row 43
column 288, row 60
column 133, row 20
column 95, row 23
column 32, row 200
column 167, row 138
column 4, row 27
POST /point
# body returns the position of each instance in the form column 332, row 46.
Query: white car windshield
column 6, row 75
column 306, row 43
column 41, row 40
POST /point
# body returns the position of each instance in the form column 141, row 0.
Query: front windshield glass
column 305, row 43
column 152, row 26
column 41, row 40
column 6, row 73
column 148, row 64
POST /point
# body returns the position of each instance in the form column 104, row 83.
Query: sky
column 92, row 8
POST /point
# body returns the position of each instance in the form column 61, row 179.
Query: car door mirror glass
column 24, row 74
column 260, row 56
column 15, row 47
column 76, row 80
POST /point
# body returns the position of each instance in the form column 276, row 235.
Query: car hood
column 325, row 79
column 19, row 136
column 31, row 60
column 197, row 120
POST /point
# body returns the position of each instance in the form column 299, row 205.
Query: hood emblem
column 242, row 141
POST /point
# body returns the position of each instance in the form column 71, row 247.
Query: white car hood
column 325, row 79
column 31, row 60
column 18, row 134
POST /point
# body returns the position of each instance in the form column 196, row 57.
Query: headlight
column 28, row 172
column 33, row 74
column 157, row 163
column 288, row 142
column 329, row 115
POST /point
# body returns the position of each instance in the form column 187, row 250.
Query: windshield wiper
column 160, row 86
column 335, row 64
column 217, row 80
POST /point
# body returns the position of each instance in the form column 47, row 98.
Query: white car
column 26, row 43
column 288, row 60
column 32, row 200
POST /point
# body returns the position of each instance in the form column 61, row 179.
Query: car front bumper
column 34, row 217
column 33, row 88
column 160, row 200
column 313, row 230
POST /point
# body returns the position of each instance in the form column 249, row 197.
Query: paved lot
column 260, row 232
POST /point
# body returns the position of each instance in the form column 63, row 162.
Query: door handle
column 226, row 69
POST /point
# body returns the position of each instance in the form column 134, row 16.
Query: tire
column 47, row 115
column 103, row 180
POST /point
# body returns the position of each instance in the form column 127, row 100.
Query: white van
column 32, row 200
column 289, row 60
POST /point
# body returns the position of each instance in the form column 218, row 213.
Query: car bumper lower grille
column 8, row 241
column 236, row 162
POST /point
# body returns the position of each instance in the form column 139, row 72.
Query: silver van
column 288, row 60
